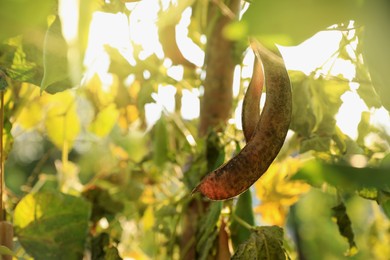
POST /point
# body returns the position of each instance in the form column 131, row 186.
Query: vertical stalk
column 2, row 186
column 216, row 103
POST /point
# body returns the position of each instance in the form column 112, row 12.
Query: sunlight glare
column 143, row 29
column 312, row 53
column 236, row 80
column 349, row 114
column 190, row 104
column 188, row 48
column 176, row 72
column 101, row 33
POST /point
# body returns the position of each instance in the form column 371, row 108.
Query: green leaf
column 52, row 225
column 160, row 142
column 208, row 230
column 103, row 205
column 6, row 251
column 17, row 17
column 104, row 121
column 364, row 127
column 56, row 77
column 264, row 243
column 302, row 105
column 345, row 227
column 376, row 40
column 383, row 200
column 244, row 211
column 3, row 81
column 291, row 22
column 343, row 176
column 316, row 143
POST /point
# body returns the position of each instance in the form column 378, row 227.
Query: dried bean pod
column 239, row 173
column 251, row 104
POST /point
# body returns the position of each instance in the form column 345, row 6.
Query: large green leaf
column 52, row 225
column 290, row 22
column 264, row 243
column 343, row 176
column 376, row 42
column 17, row 17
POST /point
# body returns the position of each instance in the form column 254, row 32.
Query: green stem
column 242, row 222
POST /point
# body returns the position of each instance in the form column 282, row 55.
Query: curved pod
column 239, row 173
column 251, row 104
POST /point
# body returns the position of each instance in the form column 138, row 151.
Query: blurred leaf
column 368, row 94
column 104, row 121
column 302, row 105
column 277, row 191
column 55, row 62
column 103, row 248
column 243, row 210
column 264, row 243
column 62, row 122
column 364, row 127
column 160, row 142
column 235, row 31
column 6, row 251
column 343, row 176
column 345, row 227
column 103, row 204
column 316, row 143
column 3, row 81
column 376, row 40
column 383, row 200
column 208, row 230
column 291, row 22
column 32, row 113
column 17, row 17
column 52, row 225
column 148, row 219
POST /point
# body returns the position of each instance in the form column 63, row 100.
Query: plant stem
column 2, row 186
column 242, row 222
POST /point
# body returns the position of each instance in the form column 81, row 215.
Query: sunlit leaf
column 104, row 121
column 277, row 191
column 127, row 115
column 264, row 243
column 148, row 219
column 62, row 122
column 32, row 113
column 52, row 225
column 55, row 77
column 345, row 227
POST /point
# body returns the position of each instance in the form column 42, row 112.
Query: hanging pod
column 264, row 138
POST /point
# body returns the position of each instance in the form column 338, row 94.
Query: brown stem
column 216, row 105
column 2, row 209
column 218, row 94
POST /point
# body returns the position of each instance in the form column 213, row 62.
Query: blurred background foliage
column 101, row 107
